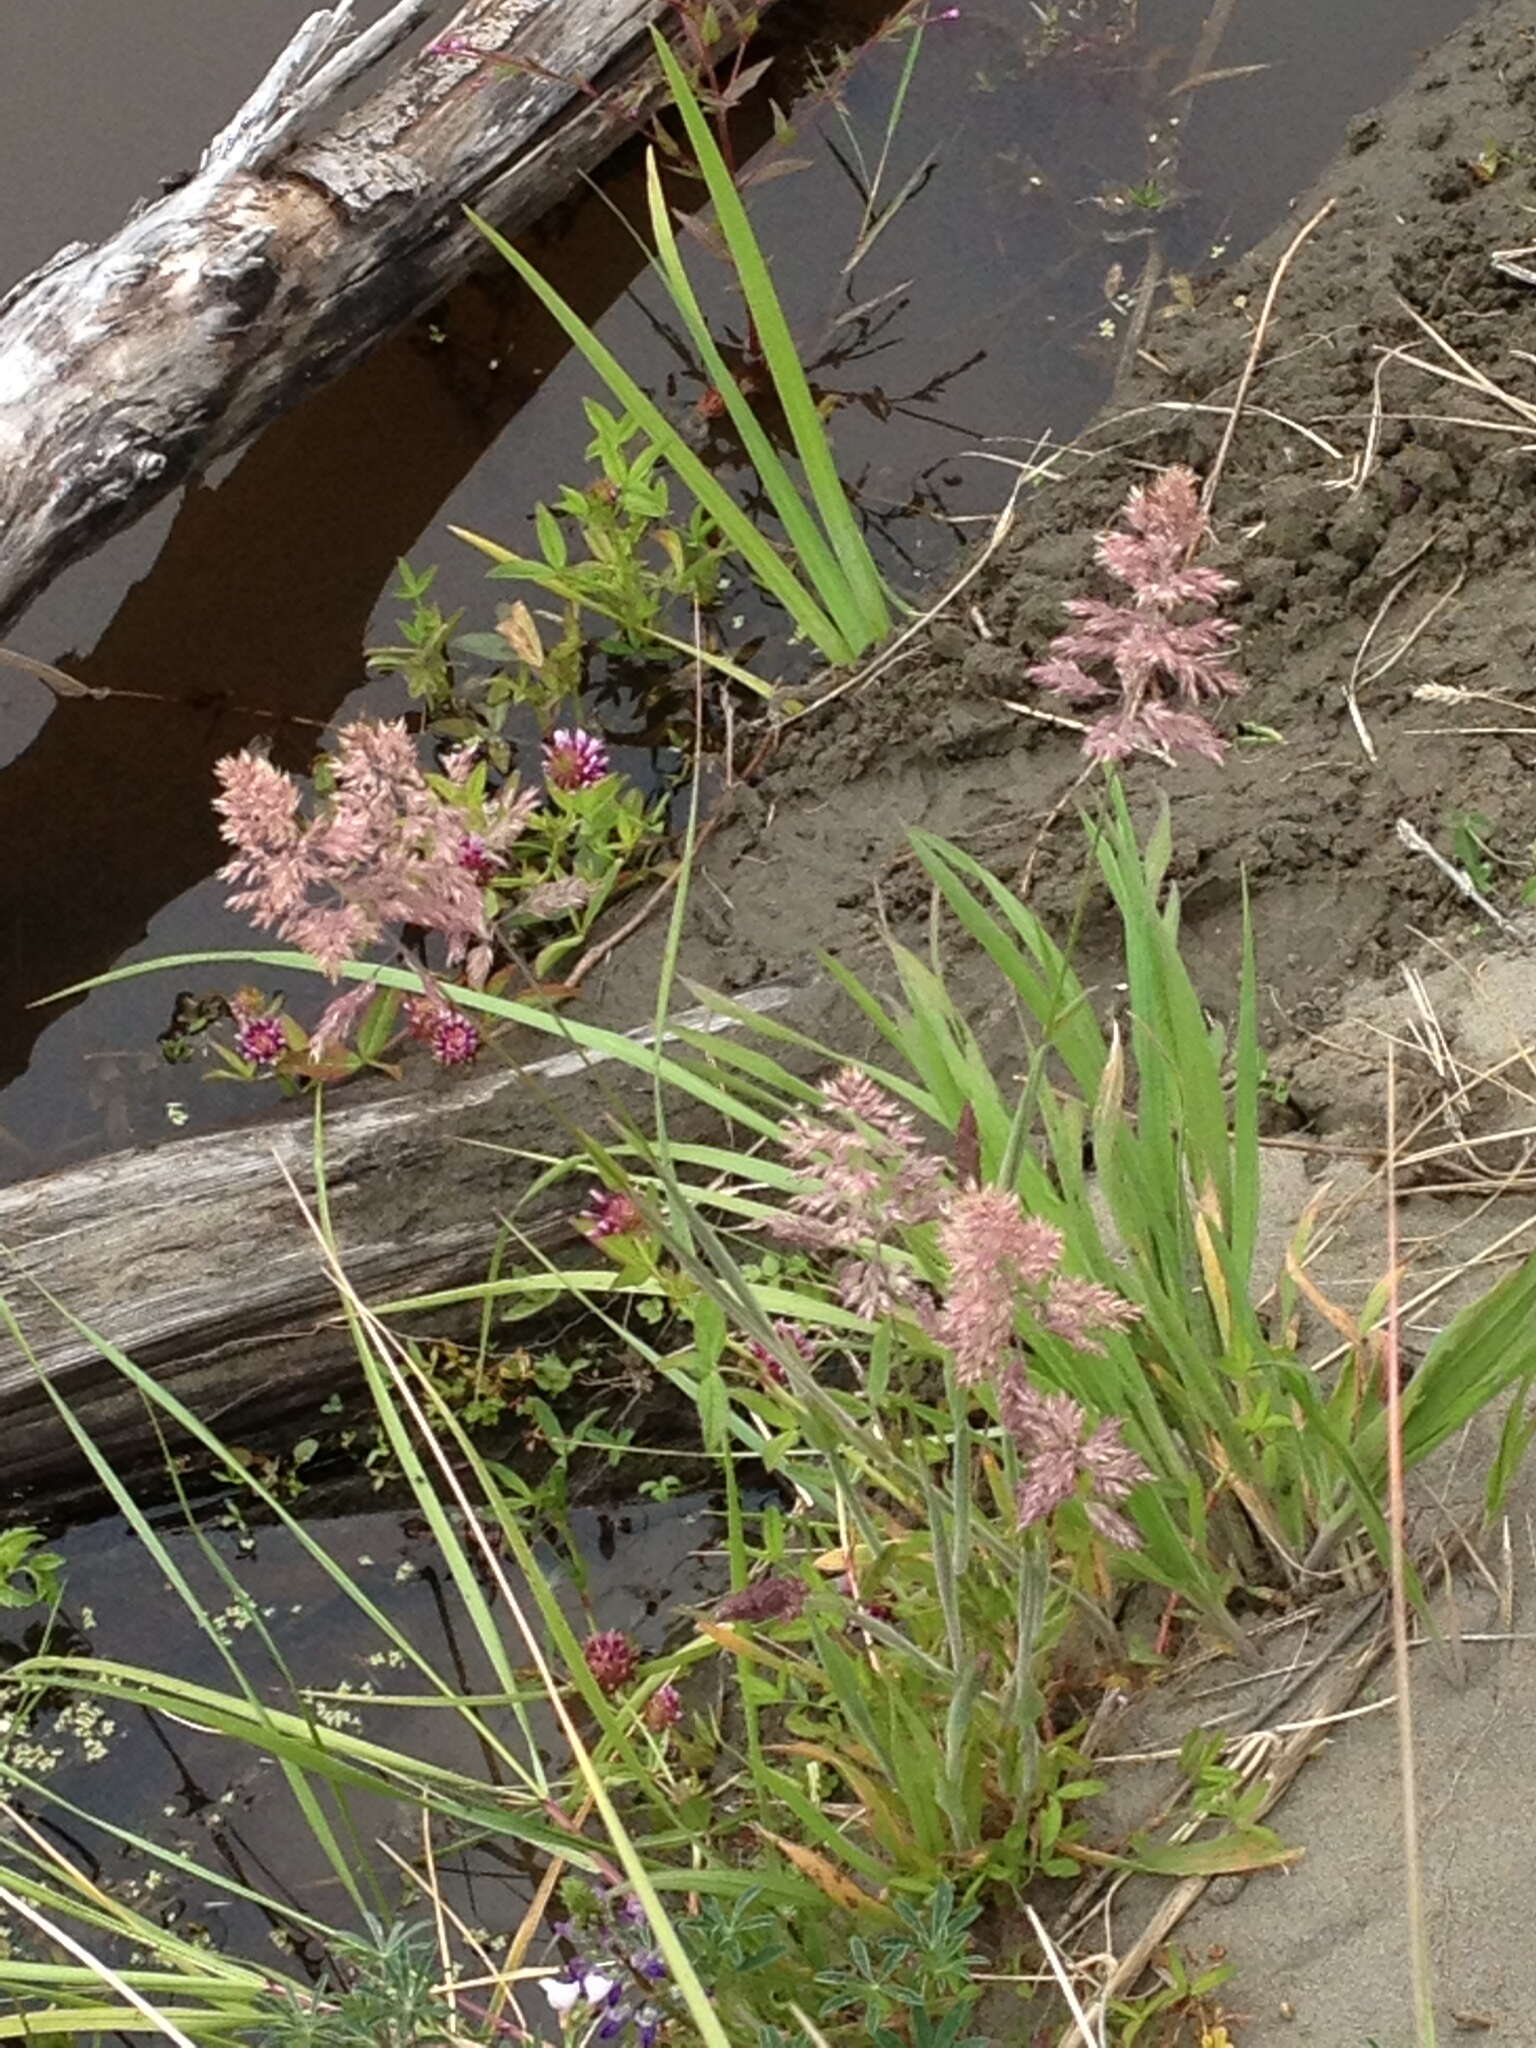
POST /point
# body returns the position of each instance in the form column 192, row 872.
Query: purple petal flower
column 455, row 1041
column 261, row 1040
column 612, row 1659
column 574, row 759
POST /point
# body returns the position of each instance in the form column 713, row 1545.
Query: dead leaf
column 778, row 167
column 516, row 626
column 61, row 684
column 824, row 1874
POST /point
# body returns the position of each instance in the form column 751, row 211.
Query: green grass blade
column 766, row 564
column 790, row 382
column 804, row 535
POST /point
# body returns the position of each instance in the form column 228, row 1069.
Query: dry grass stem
column 1397, row 1519
column 1213, row 476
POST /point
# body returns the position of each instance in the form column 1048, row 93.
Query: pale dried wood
column 126, row 368
column 193, row 1259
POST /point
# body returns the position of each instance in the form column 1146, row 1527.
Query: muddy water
column 225, row 1807
column 1057, row 161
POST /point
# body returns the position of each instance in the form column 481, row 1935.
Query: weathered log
column 194, row 1259
column 126, row 368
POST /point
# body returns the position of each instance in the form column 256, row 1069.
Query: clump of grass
column 825, row 578
column 991, row 1394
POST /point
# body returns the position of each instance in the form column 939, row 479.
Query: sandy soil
column 1317, row 551
column 1412, row 539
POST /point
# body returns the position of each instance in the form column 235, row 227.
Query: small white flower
column 595, row 1987
column 561, row 1995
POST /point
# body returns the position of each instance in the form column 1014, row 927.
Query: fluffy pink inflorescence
column 554, row 898
column 995, row 1251
column 866, row 1174
column 1048, row 1431
column 574, row 759
column 382, row 849
column 1162, row 667
column 612, row 1659
column 261, row 1039
column 455, row 1041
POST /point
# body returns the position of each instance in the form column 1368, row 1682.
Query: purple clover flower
column 663, row 1710
column 455, row 1041
column 793, row 1338
column 574, row 759
column 610, row 1212
column 261, row 1039
column 477, row 859
column 612, row 1659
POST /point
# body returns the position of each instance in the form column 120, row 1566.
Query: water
column 224, row 1805
column 259, row 588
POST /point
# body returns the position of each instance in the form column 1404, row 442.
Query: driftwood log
column 126, row 368
column 194, row 1259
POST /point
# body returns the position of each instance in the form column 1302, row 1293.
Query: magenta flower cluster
column 574, row 759
column 612, row 1658
column 261, row 1039
column 611, row 1212
column 1157, row 662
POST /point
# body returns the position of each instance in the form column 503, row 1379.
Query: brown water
column 221, row 1805
column 261, row 586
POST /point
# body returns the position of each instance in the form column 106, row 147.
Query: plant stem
column 1418, row 1937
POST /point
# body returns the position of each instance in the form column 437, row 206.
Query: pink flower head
column 771, row 1599
column 663, row 1710
column 477, row 859
column 261, row 1039
column 791, row 1338
column 995, row 1252
column 612, row 1659
column 455, row 1040
column 1048, row 1431
column 1074, row 1309
column 1165, row 653
column 574, row 759
column 611, row 1212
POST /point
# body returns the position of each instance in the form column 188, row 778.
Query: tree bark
column 126, row 368
column 194, row 1259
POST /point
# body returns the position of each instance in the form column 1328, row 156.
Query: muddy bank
column 1362, row 493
